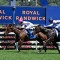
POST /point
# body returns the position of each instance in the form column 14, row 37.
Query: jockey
column 54, row 23
column 26, row 25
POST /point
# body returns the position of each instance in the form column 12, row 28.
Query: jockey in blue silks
column 55, row 24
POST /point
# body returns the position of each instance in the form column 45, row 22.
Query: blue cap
column 50, row 20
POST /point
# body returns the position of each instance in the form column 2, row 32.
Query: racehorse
column 46, row 36
column 20, row 34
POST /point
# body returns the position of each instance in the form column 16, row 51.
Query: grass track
column 29, row 55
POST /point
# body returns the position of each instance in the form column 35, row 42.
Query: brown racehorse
column 46, row 36
column 41, row 37
column 20, row 34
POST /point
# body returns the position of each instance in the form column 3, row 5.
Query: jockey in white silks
column 56, row 23
column 25, row 24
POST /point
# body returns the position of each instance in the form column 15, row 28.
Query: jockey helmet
column 21, row 20
column 51, row 20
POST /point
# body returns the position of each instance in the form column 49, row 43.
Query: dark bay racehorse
column 46, row 36
column 20, row 34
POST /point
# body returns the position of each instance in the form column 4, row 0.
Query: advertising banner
column 52, row 12
column 6, row 15
column 35, row 15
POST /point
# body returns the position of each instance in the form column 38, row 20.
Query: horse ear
column 10, row 25
column 13, row 25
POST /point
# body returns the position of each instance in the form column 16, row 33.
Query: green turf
column 29, row 55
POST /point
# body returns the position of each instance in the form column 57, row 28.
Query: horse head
column 9, row 28
column 36, row 30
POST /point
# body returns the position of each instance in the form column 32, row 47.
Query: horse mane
column 42, row 29
column 13, row 28
column 37, row 30
column 45, row 30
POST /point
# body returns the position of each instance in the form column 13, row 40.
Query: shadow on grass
column 47, row 53
column 30, row 52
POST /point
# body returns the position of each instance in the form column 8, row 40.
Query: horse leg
column 55, row 44
column 20, row 44
column 39, row 48
column 16, row 44
column 57, row 48
column 38, row 39
column 44, row 46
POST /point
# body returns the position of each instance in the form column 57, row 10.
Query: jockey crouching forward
column 55, row 24
column 26, row 25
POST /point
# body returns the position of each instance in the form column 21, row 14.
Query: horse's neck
column 37, row 30
column 15, row 30
column 44, row 30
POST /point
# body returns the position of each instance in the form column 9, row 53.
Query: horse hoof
column 45, row 50
column 59, row 52
column 39, row 50
column 18, row 50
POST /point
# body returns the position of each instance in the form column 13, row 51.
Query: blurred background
column 29, row 3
